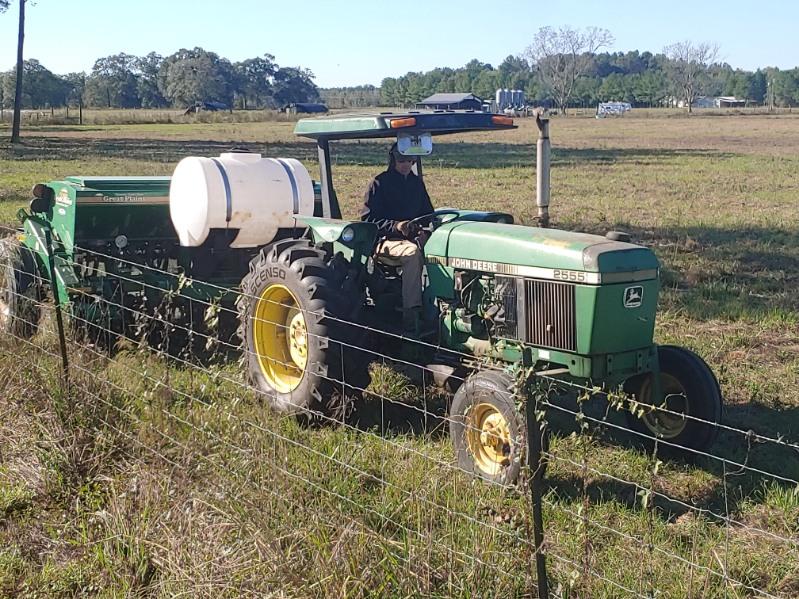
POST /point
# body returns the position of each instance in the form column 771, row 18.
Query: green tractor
column 259, row 237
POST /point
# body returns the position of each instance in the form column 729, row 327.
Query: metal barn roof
column 449, row 98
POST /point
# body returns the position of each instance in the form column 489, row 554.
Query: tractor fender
column 349, row 233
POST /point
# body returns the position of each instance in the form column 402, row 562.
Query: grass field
column 164, row 480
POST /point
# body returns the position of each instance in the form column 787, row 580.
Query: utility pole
column 18, row 90
column 770, row 94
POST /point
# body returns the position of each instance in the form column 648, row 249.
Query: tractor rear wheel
column 487, row 430
column 690, row 389
column 294, row 314
column 20, row 294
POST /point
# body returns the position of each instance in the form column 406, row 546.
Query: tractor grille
column 550, row 314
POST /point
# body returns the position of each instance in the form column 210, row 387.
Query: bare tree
column 688, row 68
column 564, row 55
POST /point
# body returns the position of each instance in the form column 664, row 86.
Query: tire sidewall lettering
column 271, row 273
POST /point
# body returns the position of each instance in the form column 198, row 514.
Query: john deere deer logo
column 633, row 296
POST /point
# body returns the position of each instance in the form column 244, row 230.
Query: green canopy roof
column 377, row 125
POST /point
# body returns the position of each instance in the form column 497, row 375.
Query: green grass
column 129, row 488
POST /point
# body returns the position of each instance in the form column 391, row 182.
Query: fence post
column 536, row 463
column 542, row 170
column 57, row 301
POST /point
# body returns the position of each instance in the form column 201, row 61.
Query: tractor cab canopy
column 413, row 127
column 389, row 124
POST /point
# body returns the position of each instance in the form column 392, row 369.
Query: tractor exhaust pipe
column 542, row 169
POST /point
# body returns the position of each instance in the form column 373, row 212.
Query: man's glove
column 408, row 229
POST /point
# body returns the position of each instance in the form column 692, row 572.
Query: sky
column 353, row 42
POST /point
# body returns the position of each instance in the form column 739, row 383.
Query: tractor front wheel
column 687, row 416
column 486, row 428
column 20, row 294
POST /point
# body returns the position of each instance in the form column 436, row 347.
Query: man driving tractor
column 393, row 199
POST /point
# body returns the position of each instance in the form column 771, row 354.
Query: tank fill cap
column 618, row 236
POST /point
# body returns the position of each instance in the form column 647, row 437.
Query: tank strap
column 295, row 194
column 228, row 196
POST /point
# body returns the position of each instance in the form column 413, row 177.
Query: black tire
column 690, row 387
column 21, row 292
column 304, row 286
column 486, row 403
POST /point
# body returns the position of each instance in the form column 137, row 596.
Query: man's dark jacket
column 392, row 198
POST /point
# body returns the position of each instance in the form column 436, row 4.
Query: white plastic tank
column 244, row 191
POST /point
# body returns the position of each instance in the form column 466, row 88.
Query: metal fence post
column 58, row 316
column 542, row 169
column 536, row 462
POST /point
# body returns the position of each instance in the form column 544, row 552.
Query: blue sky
column 359, row 41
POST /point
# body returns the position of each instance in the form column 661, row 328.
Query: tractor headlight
column 347, row 235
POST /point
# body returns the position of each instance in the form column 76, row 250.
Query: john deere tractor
column 260, row 236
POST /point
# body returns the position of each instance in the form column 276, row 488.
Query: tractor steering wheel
column 430, row 218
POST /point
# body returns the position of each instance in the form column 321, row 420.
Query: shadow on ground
column 743, row 464
column 397, row 417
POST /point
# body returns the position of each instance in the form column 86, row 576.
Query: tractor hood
column 539, row 253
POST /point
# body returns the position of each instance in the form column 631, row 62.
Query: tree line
column 153, row 81
column 564, row 67
column 641, row 78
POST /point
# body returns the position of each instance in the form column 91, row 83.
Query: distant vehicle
column 206, row 106
column 304, row 108
column 604, row 109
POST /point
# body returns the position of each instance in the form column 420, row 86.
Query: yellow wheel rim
column 280, row 338
column 488, row 438
column 666, row 424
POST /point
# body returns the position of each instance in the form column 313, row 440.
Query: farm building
column 729, row 102
column 452, row 102
column 715, row 102
column 700, row 102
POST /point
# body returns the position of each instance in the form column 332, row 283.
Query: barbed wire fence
column 590, row 518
